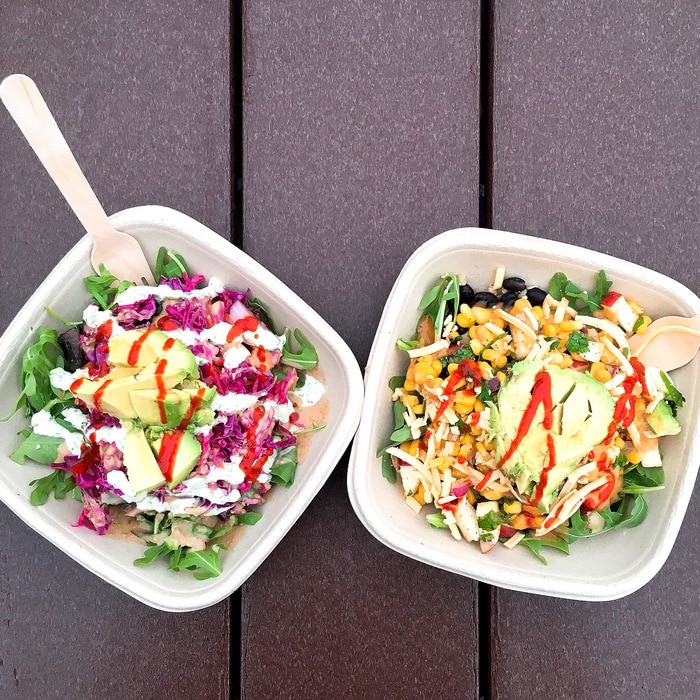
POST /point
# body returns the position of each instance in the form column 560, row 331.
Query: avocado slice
column 154, row 409
column 661, row 420
column 582, row 411
column 177, row 454
column 151, row 348
column 142, row 469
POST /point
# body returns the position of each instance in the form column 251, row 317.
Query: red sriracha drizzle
column 247, row 323
column 541, row 394
column 466, row 368
column 133, row 356
column 625, row 405
column 170, row 443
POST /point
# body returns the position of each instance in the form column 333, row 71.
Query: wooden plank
column 595, row 143
column 141, row 90
column 361, row 136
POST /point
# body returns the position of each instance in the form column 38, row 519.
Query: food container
column 111, row 558
column 606, row 567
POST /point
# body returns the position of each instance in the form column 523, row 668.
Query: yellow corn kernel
column 485, row 368
column 498, row 321
column 600, row 372
column 478, row 406
column 489, row 355
column 474, row 332
column 420, row 375
column 556, row 358
column 491, row 495
column 502, row 376
column 537, row 312
column 481, row 448
column 512, row 508
column 520, row 304
column 549, row 330
column 419, row 495
column 568, row 326
column 466, row 311
column 481, row 314
column 419, row 409
column 499, row 363
column 619, row 442
column 410, row 400
column 466, row 439
column 634, row 457
column 436, row 366
column 476, row 346
column 452, row 367
column 635, row 306
column 465, row 320
column 471, row 497
column 409, row 386
column 566, row 361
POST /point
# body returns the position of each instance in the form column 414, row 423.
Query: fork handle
column 29, row 110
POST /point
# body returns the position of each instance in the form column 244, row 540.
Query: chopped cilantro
column 578, row 342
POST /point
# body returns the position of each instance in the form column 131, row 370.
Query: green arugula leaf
column 306, row 358
column 561, row 286
column 60, row 319
column 38, row 360
column 284, row 468
column 397, row 382
column 204, row 564
column 262, row 314
column 462, row 353
column 102, row 287
column 151, row 553
column 672, row 392
column 436, row 520
column 39, row 448
column 169, row 265
column 58, row 483
column 484, row 394
column 311, row 429
column 248, row 518
column 388, row 471
column 535, row 545
column 435, row 301
column 578, row 342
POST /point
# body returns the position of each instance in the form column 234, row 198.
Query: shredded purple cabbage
column 138, row 314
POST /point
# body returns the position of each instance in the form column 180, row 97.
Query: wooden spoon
column 670, row 342
column 119, row 252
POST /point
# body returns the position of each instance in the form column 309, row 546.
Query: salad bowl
column 112, row 558
column 605, row 567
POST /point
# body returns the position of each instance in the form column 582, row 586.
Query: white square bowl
column 110, row 558
column 601, row 568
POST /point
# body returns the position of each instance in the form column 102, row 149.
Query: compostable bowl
column 600, row 568
column 111, row 558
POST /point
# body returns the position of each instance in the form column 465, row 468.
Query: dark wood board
column 360, row 142
column 141, row 90
column 595, row 143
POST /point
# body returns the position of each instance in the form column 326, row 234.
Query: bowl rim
column 214, row 590
column 362, row 468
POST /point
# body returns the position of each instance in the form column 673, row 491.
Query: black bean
column 72, row 352
column 514, row 284
column 485, row 298
column 466, row 294
column 508, row 299
column 536, row 296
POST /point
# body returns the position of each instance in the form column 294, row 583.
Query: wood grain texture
column 141, row 91
column 596, row 143
column 361, row 136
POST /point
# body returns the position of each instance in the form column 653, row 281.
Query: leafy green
column 435, row 301
column 493, row 340
column 203, row 564
column 401, row 434
column 262, row 314
column 561, row 286
column 462, row 353
column 406, row 345
column 484, row 394
column 490, row 521
column 628, row 512
column 436, row 520
column 397, row 382
column 305, row 358
column 60, row 319
column 388, row 471
column 535, row 545
column 399, row 420
column 38, row 360
column 169, row 265
column 248, row 518
column 39, row 448
column 578, row 342
column 311, row 429
column 284, row 467
column 672, row 393
column 58, row 483
column 102, row 287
